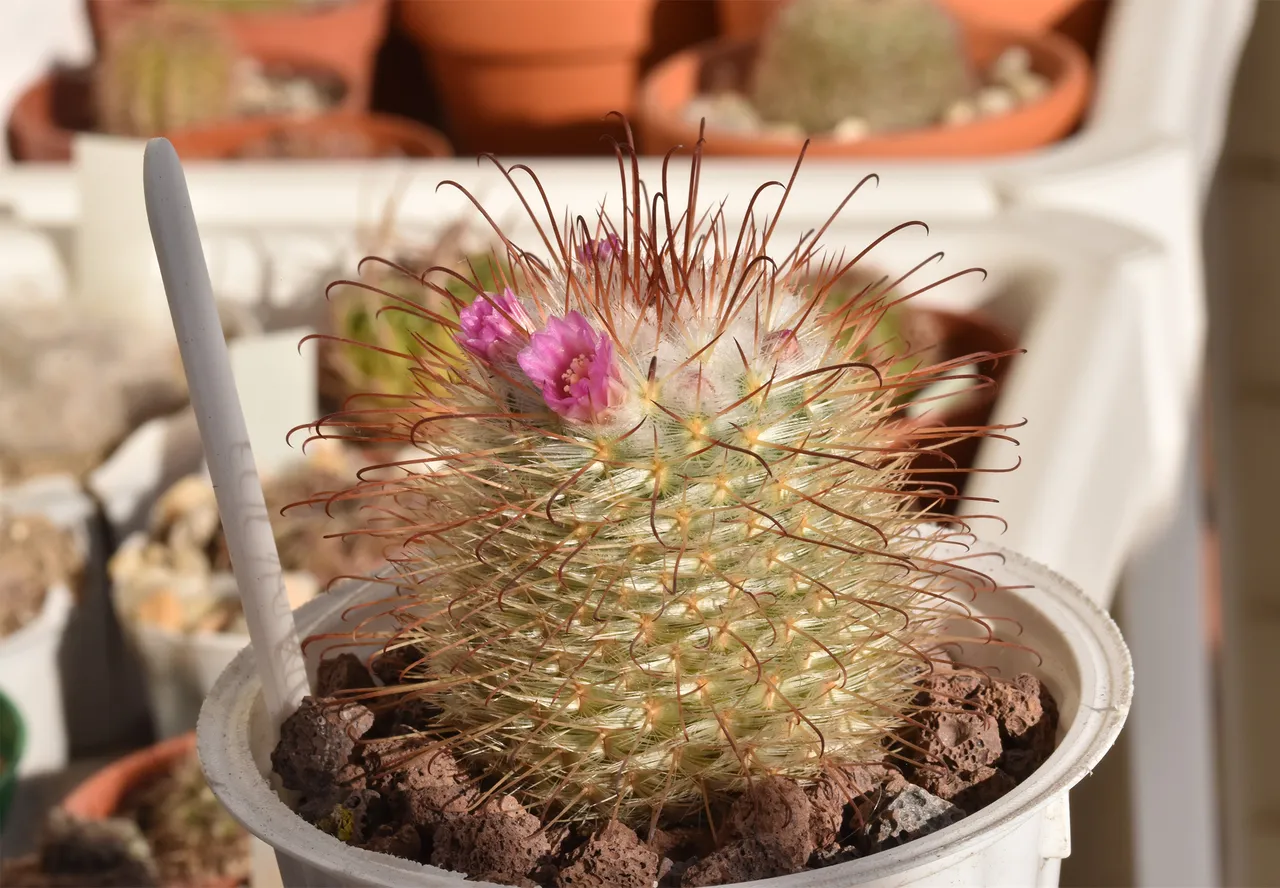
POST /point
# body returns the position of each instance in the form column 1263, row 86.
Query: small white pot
column 101, row 685
column 1019, row 840
column 180, row 670
column 31, row 678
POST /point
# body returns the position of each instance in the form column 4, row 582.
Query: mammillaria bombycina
column 663, row 538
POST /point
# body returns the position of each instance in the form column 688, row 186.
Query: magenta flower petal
column 575, row 368
column 603, row 250
column 494, row 326
column 781, row 345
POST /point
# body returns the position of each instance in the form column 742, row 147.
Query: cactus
column 356, row 317
column 170, row 68
column 894, row 64
column 663, row 540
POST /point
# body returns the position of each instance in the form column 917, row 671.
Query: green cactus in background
column 361, row 314
column 171, row 68
column 664, row 538
column 895, row 64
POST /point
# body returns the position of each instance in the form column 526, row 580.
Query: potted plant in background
column 531, row 76
column 900, row 78
column 174, row 592
column 40, row 564
column 972, row 351
column 350, row 372
column 174, row 69
column 148, row 819
column 662, row 605
column 336, row 35
column 748, row 19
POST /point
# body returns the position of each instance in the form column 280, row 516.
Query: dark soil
column 974, row 739
column 192, row 838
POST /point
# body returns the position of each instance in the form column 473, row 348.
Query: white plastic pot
column 101, row 685
column 1018, row 841
column 180, row 670
column 30, row 676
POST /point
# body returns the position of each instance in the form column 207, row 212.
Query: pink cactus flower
column 488, row 333
column 575, row 367
column 603, row 250
column 781, row 345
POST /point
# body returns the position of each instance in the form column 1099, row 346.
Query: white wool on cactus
column 665, row 535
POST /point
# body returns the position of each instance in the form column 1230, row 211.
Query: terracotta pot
column 362, row 135
column 669, row 88
column 52, row 109
column 1014, row 15
column 101, row 795
column 531, row 76
column 747, row 19
column 343, row 37
column 677, row 25
column 45, row 116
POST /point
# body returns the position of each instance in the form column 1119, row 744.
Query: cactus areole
column 663, row 538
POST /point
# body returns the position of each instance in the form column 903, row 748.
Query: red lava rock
column 681, row 842
column 867, row 787
column 316, row 743
column 389, row 665
column 422, row 784
column 947, row 688
column 501, row 842
column 776, row 809
column 403, row 841
column 971, row 791
column 614, row 857
column 828, row 798
column 411, row 714
column 1018, row 707
column 344, row 672
column 964, row 741
column 873, row 777
column 744, row 860
column 912, row 814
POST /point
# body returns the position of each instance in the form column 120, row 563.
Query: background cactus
column 168, row 69
column 361, row 313
column 663, row 541
column 894, row 64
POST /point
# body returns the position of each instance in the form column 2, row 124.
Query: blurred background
column 1113, row 164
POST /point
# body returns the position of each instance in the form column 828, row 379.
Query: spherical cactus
column 170, row 68
column 662, row 540
column 894, row 64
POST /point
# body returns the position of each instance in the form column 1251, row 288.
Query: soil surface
column 364, row 779
column 192, row 838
